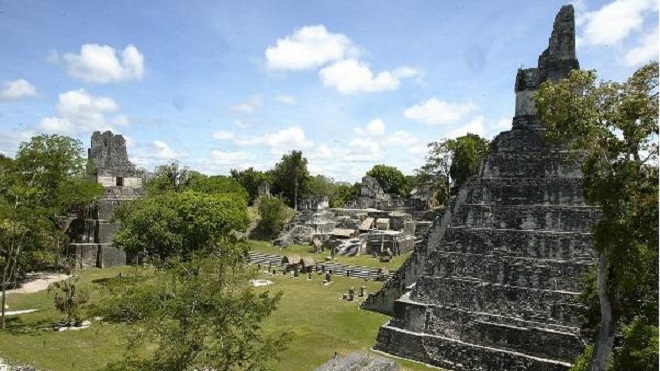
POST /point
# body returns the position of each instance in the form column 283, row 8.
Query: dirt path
column 37, row 282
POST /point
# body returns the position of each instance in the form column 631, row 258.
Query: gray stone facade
column 494, row 285
column 92, row 236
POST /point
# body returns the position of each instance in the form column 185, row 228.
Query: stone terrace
column 502, row 267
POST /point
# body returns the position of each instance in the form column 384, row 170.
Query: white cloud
column 615, row 21
column 286, row 139
column 10, row 140
column 79, row 111
column 250, row 106
column 103, row 64
column 645, row 51
column 437, row 112
column 17, row 89
column 286, row 99
column 375, row 127
column 474, row 126
column 162, row 150
column 352, row 76
column 308, row 48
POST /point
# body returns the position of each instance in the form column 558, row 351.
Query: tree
column 217, row 184
column 170, row 177
column 320, row 185
column 196, row 315
column 290, row 177
column 612, row 128
column 46, row 180
column 274, row 214
column 250, row 179
column 451, row 159
column 345, row 192
column 179, row 224
column 390, row 179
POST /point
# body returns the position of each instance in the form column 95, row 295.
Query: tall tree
column 390, row 179
column 250, row 179
column 171, row 177
column 46, row 180
column 452, row 159
column 613, row 129
column 291, row 177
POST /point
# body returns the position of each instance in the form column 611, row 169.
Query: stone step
column 548, row 306
column 522, row 243
column 546, row 274
column 531, row 164
column 540, row 217
column 458, row 355
column 560, row 342
column 527, row 191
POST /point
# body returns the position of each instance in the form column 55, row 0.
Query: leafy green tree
column 170, row 177
column 290, row 177
column 451, row 159
column 196, row 315
column 390, row 179
column 179, row 224
column 46, row 180
column 250, row 179
column 274, row 214
column 217, row 184
column 612, row 128
column 320, row 185
column 344, row 192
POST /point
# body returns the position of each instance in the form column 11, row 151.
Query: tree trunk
column 295, row 195
column 605, row 340
column 4, row 291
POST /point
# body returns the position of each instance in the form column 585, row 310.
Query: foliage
column 456, row 159
column 343, row 193
column 390, row 179
column 69, row 299
column 170, row 177
column 274, row 215
column 291, row 177
column 614, row 128
column 46, row 180
column 178, row 224
column 198, row 314
column 250, row 179
column 320, row 185
column 217, row 184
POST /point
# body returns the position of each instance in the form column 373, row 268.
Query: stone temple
column 92, row 235
column 494, row 285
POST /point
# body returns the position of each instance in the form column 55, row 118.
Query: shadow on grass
column 16, row 326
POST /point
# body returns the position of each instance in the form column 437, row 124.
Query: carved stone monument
column 495, row 284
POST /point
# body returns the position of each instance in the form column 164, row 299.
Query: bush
column 274, row 214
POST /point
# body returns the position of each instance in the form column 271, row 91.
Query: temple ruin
column 494, row 284
column 92, row 235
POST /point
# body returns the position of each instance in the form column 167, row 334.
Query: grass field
column 305, row 250
column 318, row 321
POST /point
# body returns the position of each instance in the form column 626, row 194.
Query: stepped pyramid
column 494, row 285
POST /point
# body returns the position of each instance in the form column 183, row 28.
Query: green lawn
column 316, row 318
column 305, row 250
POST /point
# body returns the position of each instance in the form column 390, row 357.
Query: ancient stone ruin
column 494, row 284
column 92, row 235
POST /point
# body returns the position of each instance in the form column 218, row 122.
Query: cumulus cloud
column 375, row 127
column 645, row 51
column 11, row 139
column 163, row 151
column 103, row 64
column 438, row 112
column 615, row 21
column 79, row 111
column 285, row 139
column 352, row 76
column 308, row 48
column 474, row 126
column 17, row 89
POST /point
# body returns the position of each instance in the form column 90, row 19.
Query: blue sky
column 233, row 84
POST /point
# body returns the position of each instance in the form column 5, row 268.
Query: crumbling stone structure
column 92, row 237
column 495, row 284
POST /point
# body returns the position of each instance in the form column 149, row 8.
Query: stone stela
column 495, row 283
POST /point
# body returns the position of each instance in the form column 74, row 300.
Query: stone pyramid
column 497, row 277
